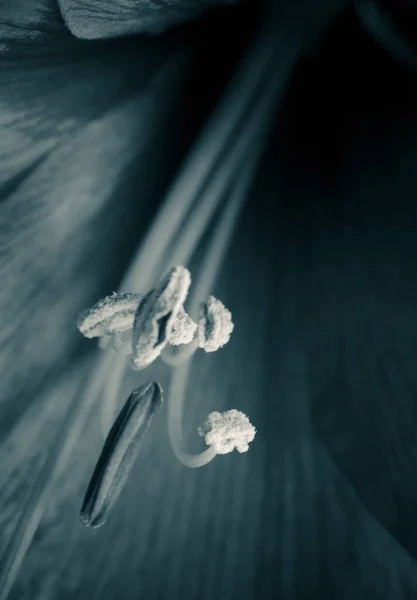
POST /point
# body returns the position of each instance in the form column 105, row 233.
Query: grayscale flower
column 270, row 147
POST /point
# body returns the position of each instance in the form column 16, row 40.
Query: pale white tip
column 228, row 431
column 183, row 329
column 215, row 326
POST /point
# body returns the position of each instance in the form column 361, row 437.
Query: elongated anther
column 119, row 453
column 156, row 315
column 112, row 314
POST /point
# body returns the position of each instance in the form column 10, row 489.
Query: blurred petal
column 82, row 169
column 74, row 210
column 95, row 19
column 49, row 93
column 30, row 22
column 283, row 522
column 362, row 293
column 392, row 26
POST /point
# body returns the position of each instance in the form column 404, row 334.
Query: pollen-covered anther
column 227, row 431
column 112, row 314
column 183, row 329
column 155, row 316
column 215, row 325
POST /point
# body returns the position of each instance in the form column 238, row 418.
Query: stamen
column 119, row 326
column 208, row 274
column 214, row 256
column 214, row 330
column 155, row 317
column 109, row 315
column 119, row 453
column 183, row 329
column 228, row 151
column 215, row 326
column 210, row 169
column 227, row 431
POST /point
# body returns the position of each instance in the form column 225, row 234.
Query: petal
column 30, row 22
column 49, row 93
column 391, row 26
column 89, row 19
column 364, row 349
column 365, row 408
column 356, row 214
column 82, row 170
column 69, row 225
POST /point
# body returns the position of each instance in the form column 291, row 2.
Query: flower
column 93, row 129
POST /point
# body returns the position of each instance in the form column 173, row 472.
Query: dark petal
column 92, row 19
column 381, row 21
column 71, row 219
column 48, row 93
column 119, row 453
column 363, row 357
column 366, row 408
column 30, row 22
column 353, row 192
